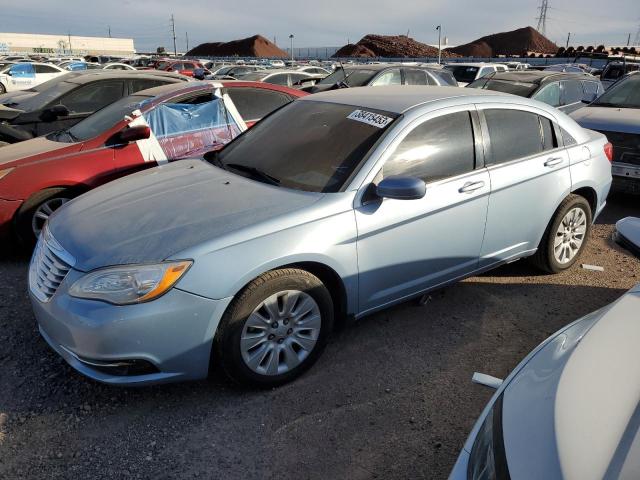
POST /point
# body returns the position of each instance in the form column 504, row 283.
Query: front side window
column 390, row 77
column 415, row 77
column 278, row 79
column 549, row 94
column 513, row 134
column 191, row 125
column 255, row 103
column 320, row 145
column 438, row 148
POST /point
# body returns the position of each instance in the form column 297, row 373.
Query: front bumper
column 8, row 209
column 174, row 333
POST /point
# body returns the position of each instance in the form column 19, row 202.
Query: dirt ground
column 390, row 398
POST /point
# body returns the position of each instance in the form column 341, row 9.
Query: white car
column 118, row 66
column 314, row 70
column 466, row 73
column 22, row 76
column 570, row 410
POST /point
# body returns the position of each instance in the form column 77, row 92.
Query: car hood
column 16, row 97
column 572, row 411
column 628, row 234
column 151, row 215
column 608, row 119
column 36, row 147
column 9, row 113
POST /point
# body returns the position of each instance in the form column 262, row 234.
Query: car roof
column 86, row 76
column 398, row 99
column 474, row 64
column 539, row 77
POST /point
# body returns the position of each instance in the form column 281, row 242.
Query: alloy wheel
column 570, row 235
column 44, row 211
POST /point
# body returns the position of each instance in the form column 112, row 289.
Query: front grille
column 626, row 147
column 49, row 266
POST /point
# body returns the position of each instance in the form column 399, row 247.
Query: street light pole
column 439, row 29
column 291, row 38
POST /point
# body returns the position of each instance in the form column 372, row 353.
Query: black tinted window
column 513, row 134
column 94, row 96
column 45, row 69
column 142, row 84
column 279, row 79
column 255, row 103
column 415, row 77
column 548, row 134
column 439, row 148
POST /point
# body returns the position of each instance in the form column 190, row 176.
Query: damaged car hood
column 609, row 119
column 148, row 216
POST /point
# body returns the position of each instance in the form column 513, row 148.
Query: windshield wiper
column 253, row 171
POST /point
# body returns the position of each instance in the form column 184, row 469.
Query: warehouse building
column 19, row 43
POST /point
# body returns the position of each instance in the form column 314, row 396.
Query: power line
column 542, row 18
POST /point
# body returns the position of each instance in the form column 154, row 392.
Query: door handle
column 552, row 162
column 471, row 187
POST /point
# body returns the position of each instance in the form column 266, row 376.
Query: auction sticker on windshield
column 370, row 118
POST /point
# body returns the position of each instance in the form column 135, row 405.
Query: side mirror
column 128, row 135
column 401, row 188
column 53, row 113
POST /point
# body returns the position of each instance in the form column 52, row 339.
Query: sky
column 322, row 23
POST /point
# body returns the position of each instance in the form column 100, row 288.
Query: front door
column 408, row 246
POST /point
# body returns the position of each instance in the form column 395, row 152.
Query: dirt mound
column 517, row 42
column 256, row 46
column 389, row 46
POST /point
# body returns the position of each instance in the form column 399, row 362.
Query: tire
column 272, row 362
column 547, row 257
column 3, row 90
column 50, row 197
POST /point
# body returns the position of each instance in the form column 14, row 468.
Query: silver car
column 337, row 205
column 569, row 410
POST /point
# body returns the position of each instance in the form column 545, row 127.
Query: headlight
column 488, row 460
column 127, row 284
column 5, row 172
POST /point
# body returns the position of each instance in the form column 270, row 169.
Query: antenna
column 542, row 18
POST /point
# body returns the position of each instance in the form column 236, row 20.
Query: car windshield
column 45, row 94
column 355, row 77
column 319, row 145
column 463, row 73
column 624, row 94
column 101, row 120
column 516, row 88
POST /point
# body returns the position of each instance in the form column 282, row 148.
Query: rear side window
column 390, row 77
column 571, row 92
column 513, row 134
column 137, row 84
column 279, row 79
column 549, row 140
column 255, row 103
column 438, row 148
column 415, row 77
column 93, row 96
column 45, row 69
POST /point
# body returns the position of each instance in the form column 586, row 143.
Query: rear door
column 407, row 246
column 529, row 174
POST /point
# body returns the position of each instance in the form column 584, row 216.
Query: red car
column 143, row 130
column 185, row 67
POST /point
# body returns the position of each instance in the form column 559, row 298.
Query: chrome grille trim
column 50, row 264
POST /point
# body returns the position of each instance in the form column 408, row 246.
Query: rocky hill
column 389, row 46
column 256, row 46
column 517, row 42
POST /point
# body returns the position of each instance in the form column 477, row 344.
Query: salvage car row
column 320, row 211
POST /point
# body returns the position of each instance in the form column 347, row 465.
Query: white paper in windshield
column 370, row 118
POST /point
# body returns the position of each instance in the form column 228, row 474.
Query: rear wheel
column 36, row 211
column 2, row 89
column 566, row 235
column 275, row 329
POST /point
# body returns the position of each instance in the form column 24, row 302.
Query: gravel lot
column 390, row 398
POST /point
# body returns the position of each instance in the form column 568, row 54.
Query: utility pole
column 568, row 38
column 542, row 18
column 628, row 40
column 109, row 31
column 439, row 29
column 187, row 35
column 173, row 30
column 291, row 38
column 70, row 49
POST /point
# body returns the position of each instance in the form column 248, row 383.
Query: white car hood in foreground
column 573, row 411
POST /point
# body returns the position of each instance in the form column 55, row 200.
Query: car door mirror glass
column 129, row 134
column 401, row 188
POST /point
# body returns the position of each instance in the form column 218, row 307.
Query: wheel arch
column 590, row 195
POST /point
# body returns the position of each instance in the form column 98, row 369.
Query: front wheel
column 275, row 329
column 566, row 235
column 35, row 212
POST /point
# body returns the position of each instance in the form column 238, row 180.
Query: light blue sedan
column 337, row 205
